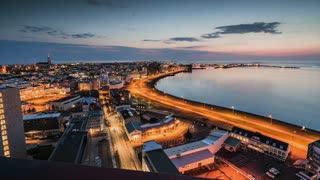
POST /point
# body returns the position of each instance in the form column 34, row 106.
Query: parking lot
column 257, row 164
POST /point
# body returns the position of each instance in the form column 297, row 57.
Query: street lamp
column 270, row 116
column 232, row 107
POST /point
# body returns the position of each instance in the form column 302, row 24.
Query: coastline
column 289, row 133
column 291, row 126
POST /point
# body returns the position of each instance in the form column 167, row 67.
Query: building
column 73, row 142
column 119, row 97
column 196, row 154
column 116, row 84
column 264, row 144
column 42, row 124
column 37, row 170
column 92, row 84
column 313, row 161
column 137, row 127
column 95, row 122
column 155, row 160
column 65, row 103
column 31, row 92
column 12, row 141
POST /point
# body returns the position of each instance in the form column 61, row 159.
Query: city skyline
column 100, row 30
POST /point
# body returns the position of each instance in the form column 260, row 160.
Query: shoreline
column 295, row 127
column 286, row 132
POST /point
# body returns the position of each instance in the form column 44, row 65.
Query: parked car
column 270, row 175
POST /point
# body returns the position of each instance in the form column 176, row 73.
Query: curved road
column 299, row 140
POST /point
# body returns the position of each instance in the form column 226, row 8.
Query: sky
column 97, row 30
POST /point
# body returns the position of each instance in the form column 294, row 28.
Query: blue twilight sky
column 183, row 29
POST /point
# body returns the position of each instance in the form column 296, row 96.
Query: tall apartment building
column 313, row 159
column 12, row 140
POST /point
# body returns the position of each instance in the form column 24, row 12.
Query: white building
column 258, row 142
column 196, row 154
column 155, row 160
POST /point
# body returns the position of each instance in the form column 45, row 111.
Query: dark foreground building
column 33, row 169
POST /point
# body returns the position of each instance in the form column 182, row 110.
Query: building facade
column 42, row 125
column 313, row 159
column 263, row 144
column 12, row 141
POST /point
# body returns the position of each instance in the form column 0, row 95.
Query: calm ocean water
column 291, row 95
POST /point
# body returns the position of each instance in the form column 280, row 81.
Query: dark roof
column 261, row 138
column 132, row 126
column 64, row 99
column 39, row 170
column 161, row 162
column 316, row 143
column 233, row 142
column 127, row 113
column 71, row 143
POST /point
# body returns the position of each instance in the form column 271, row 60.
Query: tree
column 33, row 110
column 188, row 135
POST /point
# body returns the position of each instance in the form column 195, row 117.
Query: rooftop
column 211, row 139
column 233, row 142
column 261, row 138
column 66, row 99
column 161, row 162
column 70, row 143
column 39, row 170
column 151, row 145
column 191, row 158
column 41, row 116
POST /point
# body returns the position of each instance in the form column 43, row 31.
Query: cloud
column 257, row 27
column 151, row 40
column 187, row 39
column 191, row 47
column 57, row 33
column 106, row 3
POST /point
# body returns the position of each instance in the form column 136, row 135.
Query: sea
column 290, row 95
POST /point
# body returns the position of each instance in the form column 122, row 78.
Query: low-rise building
column 118, row 84
column 41, row 125
column 196, row 154
column 119, row 97
column 95, row 122
column 65, row 103
column 264, row 144
column 155, row 160
column 151, row 123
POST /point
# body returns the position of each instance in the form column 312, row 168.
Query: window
column 3, row 127
column 4, row 138
column 1, row 105
column 2, row 122
column 5, row 143
column 4, row 132
column 6, row 148
column 7, row 153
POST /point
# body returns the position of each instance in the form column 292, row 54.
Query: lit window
column 3, row 127
column 1, row 105
column 4, row 132
column 4, row 138
column 5, row 143
column 7, row 153
column 6, row 148
column 2, row 122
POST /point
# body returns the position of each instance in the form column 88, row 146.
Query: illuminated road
column 128, row 158
column 298, row 139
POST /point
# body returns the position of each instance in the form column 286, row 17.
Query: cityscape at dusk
column 150, row 89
